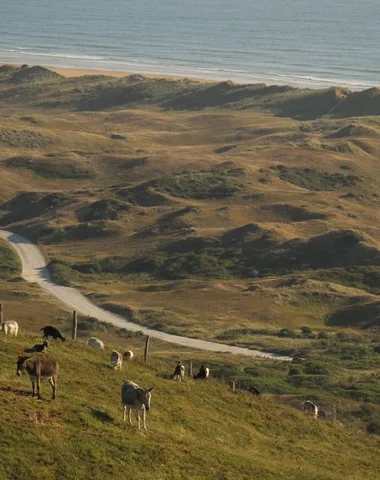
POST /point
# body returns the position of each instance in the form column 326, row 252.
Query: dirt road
column 34, row 270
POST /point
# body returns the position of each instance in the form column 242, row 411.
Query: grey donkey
column 133, row 396
column 39, row 367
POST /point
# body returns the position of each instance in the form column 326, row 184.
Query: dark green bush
column 374, row 427
column 315, row 369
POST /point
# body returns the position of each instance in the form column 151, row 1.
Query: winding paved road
column 34, row 270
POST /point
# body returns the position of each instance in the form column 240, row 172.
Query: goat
column 179, row 372
column 310, row 408
column 39, row 367
column 95, row 342
column 116, row 360
column 203, row 373
column 52, row 332
column 249, row 387
column 128, row 355
column 10, row 327
column 133, row 396
column 39, row 347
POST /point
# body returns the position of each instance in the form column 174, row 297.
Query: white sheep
column 116, row 360
column 10, row 327
column 95, row 342
column 128, row 355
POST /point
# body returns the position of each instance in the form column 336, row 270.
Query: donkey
column 39, row 367
column 133, row 396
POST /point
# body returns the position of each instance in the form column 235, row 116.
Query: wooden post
column 146, row 351
column 1, row 313
column 191, row 369
column 233, row 385
column 75, row 324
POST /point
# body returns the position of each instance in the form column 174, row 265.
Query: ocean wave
column 24, row 51
column 149, row 66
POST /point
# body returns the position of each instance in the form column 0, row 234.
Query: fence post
column 1, row 313
column 233, row 385
column 75, row 324
column 191, row 369
column 146, row 351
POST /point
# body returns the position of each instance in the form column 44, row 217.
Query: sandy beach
column 79, row 72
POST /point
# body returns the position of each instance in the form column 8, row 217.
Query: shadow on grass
column 102, row 416
column 17, row 391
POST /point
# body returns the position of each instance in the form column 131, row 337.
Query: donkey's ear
column 150, row 389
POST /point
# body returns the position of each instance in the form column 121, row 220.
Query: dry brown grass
column 164, row 143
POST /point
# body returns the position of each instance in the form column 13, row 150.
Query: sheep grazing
column 203, row 373
column 137, row 398
column 128, row 355
column 310, row 408
column 116, row 360
column 179, row 372
column 39, row 367
column 10, row 328
column 52, row 332
column 95, row 342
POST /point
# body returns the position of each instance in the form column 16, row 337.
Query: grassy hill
column 195, row 429
column 240, row 214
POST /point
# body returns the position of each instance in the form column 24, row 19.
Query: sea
column 304, row 43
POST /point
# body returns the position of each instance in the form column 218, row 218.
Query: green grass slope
column 9, row 261
column 195, row 429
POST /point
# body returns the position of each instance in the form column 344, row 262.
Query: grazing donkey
column 310, row 408
column 39, row 367
column 10, row 327
column 133, row 396
column 116, row 360
column 52, row 332
column 179, row 372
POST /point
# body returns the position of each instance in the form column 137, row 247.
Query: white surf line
column 34, row 270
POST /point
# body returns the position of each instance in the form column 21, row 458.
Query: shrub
column 315, row 369
column 199, row 185
column 286, row 333
column 323, row 336
column 306, row 331
column 374, row 427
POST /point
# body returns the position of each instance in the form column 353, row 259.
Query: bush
column 308, row 381
column 306, row 331
column 286, row 333
column 199, row 185
column 374, row 427
column 323, row 336
column 315, row 369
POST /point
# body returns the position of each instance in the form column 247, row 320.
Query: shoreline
column 79, row 67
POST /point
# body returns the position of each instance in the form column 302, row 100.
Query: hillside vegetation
column 195, row 429
column 244, row 214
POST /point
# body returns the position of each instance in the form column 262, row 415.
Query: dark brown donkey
column 39, row 367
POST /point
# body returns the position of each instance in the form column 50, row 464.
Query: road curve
column 34, row 269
